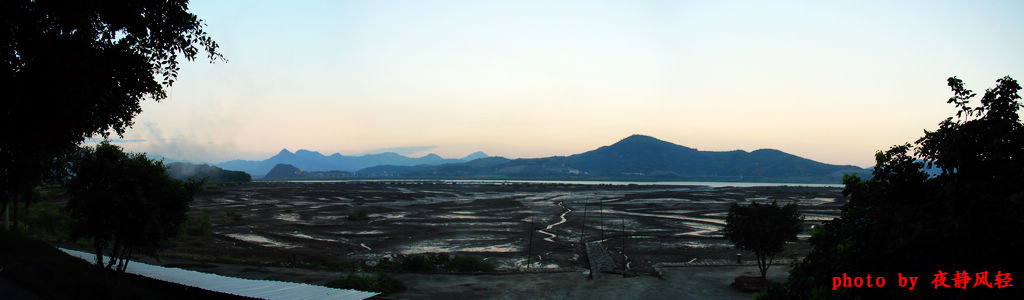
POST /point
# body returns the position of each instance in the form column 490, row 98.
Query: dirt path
column 600, row 261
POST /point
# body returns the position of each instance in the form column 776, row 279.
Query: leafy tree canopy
column 73, row 69
column 124, row 202
column 968, row 218
column 763, row 229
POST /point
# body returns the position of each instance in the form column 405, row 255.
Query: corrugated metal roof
column 266, row 289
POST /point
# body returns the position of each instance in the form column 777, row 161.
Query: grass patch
column 381, row 283
column 438, row 262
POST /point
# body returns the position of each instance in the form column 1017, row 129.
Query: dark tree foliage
column 73, row 69
column 968, row 218
column 125, row 202
column 763, row 229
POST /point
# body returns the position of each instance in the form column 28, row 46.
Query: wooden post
column 624, row 237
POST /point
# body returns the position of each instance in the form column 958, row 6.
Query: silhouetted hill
column 314, row 161
column 476, row 168
column 182, row 171
column 283, row 171
column 286, row 171
column 637, row 157
column 474, row 156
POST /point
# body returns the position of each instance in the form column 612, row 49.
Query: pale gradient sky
column 833, row 82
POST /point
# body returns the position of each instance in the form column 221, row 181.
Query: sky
column 833, row 82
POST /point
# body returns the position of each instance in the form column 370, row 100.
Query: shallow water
column 546, row 230
column 253, row 238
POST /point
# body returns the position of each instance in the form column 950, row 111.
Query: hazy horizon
column 831, row 82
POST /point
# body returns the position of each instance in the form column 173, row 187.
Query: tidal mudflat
column 518, row 226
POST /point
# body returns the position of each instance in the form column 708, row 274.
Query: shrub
column 358, row 216
column 44, row 220
column 381, row 283
column 339, row 265
column 419, row 263
column 470, row 264
column 197, row 225
column 438, row 261
column 233, row 216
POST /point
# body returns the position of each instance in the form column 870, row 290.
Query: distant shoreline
column 572, row 182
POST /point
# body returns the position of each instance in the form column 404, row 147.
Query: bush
column 438, row 261
column 44, row 220
column 197, row 225
column 211, row 188
column 340, row 265
column 358, row 216
column 470, row 264
column 419, row 263
column 381, row 283
column 233, row 216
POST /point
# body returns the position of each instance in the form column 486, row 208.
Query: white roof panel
column 266, row 289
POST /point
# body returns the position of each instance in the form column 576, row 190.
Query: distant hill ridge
column 637, row 157
column 315, row 161
column 286, row 171
column 183, row 171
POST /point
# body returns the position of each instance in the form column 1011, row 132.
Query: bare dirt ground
column 697, row 282
column 307, row 225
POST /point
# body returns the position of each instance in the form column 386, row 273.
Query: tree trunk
column 99, row 254
column 124, row 262
column 529, row 253
column 14, row 215
column 762, row 264
column 7, row 225
column 114, row 254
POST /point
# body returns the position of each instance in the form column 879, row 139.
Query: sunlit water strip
column 551, row 236
column 264, row 289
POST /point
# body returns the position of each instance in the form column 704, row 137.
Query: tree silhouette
column 762, row 229
column 74, row 69
column 124, row 202
column 903, row 221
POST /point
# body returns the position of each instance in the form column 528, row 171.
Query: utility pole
column 600, row 205
column 624, row 237
column 529, row 253
column 583, row 226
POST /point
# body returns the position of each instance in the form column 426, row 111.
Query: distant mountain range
column 637, row 157
column 309, row 161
